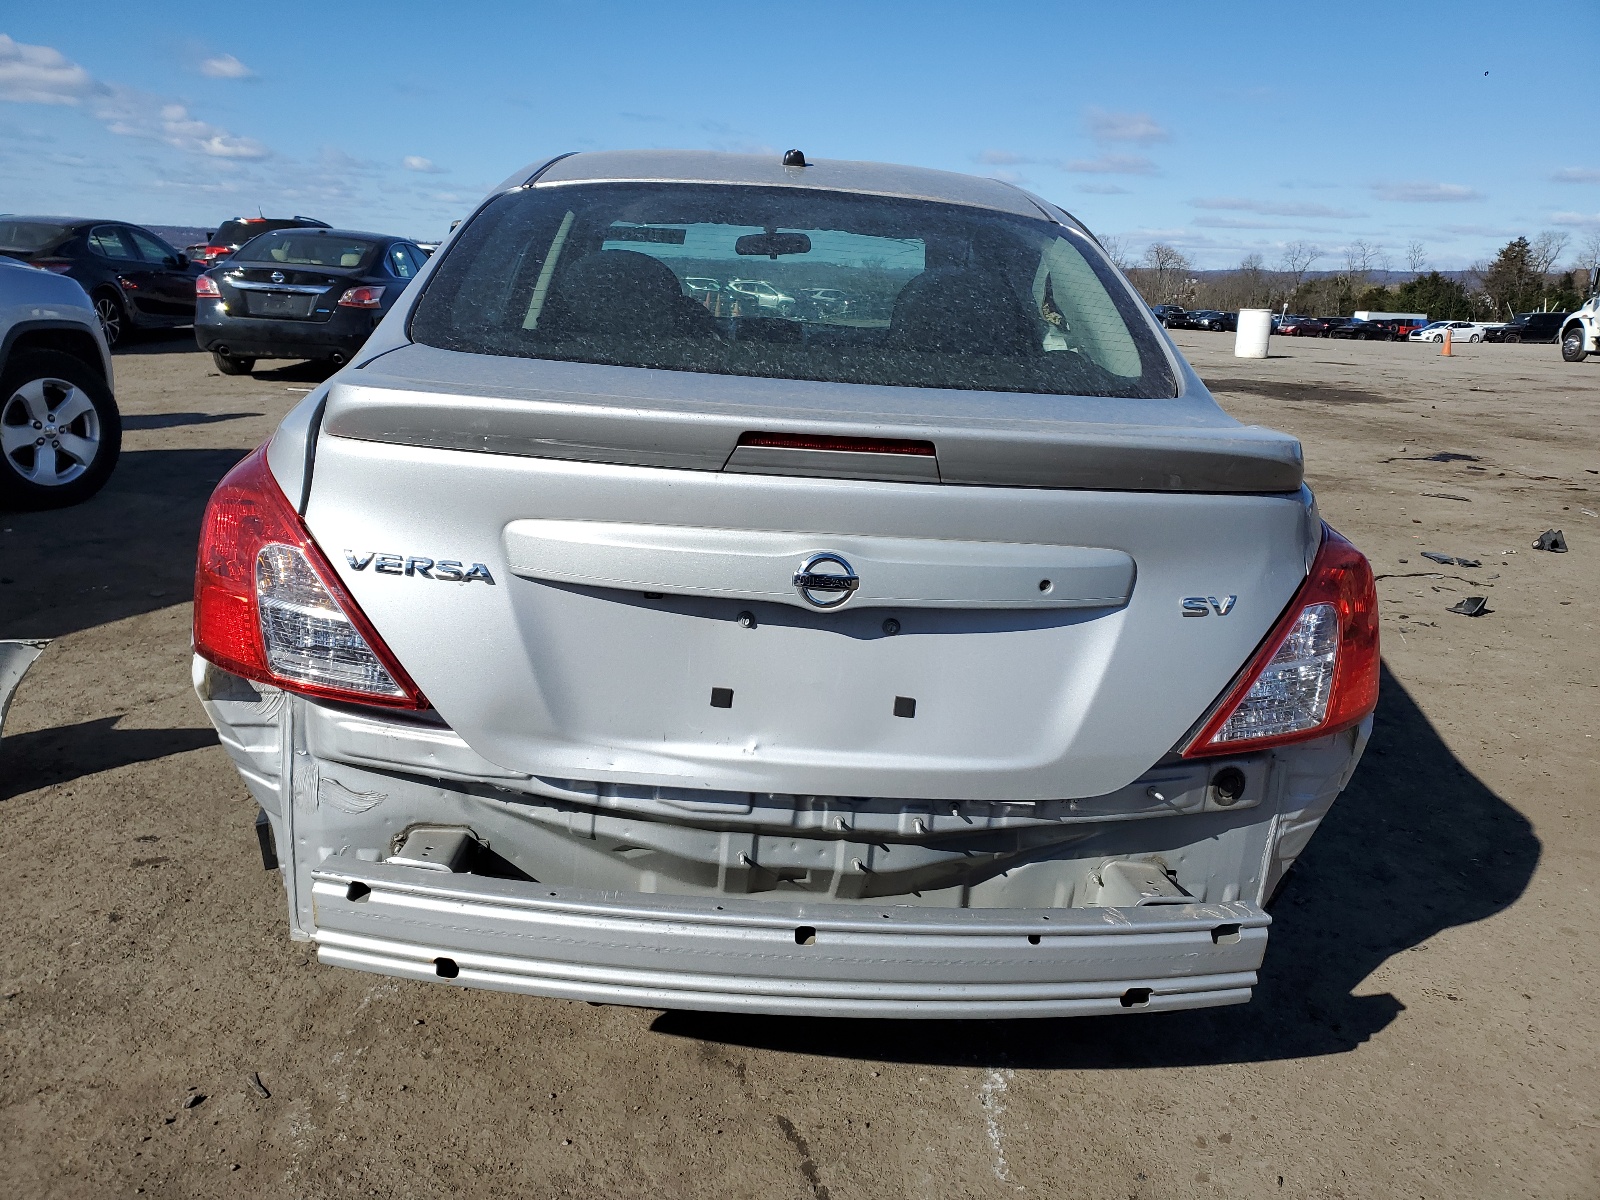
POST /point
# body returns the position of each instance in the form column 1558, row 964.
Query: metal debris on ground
column 1472, row 606
column 256, row 1086
column 1451, row 560
column 195, row 1100
column 1552, row 540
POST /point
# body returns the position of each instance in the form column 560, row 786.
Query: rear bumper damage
column 1150, row 897
column 805, row 959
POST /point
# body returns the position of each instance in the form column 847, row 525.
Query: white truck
column 1580, row 335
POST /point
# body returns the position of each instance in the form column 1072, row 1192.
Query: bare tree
column 1116, row 249
column 1416, row 257
column 1296, row 261
column 1361, row 258
column 1545, row 249
column 1167, row 271
column 1589, row 252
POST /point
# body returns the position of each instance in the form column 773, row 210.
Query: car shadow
column 308, row 371
column 44, row 757
column 157, row 341
column 126, row 551
column 1417, row 844
column 177, row 420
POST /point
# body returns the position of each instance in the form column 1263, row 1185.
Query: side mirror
column 180, row 261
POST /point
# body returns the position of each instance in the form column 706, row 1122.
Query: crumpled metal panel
column 16, row 657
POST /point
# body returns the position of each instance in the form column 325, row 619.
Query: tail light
column 1317, row 671
column 268, row 606
column 362, row 297
column 57, row 266
column 205, row 286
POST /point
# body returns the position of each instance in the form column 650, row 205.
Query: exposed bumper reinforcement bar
column 800, row 958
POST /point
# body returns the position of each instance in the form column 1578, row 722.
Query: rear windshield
column 30, row 235
column 305, row 250
column 792, row 284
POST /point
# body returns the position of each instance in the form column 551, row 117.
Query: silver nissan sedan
column 942, row 652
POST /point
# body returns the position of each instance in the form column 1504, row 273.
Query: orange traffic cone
column 1446, row 351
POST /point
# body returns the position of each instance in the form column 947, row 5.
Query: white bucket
column 1255, row 327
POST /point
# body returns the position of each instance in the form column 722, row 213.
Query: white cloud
column 40, row 75
column 1576, row 175
column 1581, row 220
column 225, row 66
column 1233, row 223
column 1424, row 193
column 1267, row 208
column 1103, row 189
column 425, row 166
column 43, row 75
column 1107, row 126
column 1002, row 158
column 1111, row 164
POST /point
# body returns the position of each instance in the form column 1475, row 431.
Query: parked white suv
column 60, row 432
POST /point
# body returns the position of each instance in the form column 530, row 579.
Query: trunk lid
column 286, row 293
column 1015, row 628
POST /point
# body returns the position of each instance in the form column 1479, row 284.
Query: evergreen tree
column 1511, row 282
column 1441, row 298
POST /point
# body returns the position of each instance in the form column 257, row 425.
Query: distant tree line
column 1522, row 277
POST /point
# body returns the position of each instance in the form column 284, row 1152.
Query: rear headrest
column 962, row 310
column 349, row 260
column 620, row 292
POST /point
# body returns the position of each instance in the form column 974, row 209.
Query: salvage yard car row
column 257, row 288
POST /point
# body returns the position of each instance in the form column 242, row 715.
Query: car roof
column 841, row 175
column 322, row 232
column 69, row 221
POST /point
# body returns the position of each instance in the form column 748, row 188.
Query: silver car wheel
column 110, row 314
column 49, row 432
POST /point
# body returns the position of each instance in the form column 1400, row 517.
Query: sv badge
column 447, row 569
column 1199, row 606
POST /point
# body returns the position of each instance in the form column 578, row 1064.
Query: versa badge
column 446, row 569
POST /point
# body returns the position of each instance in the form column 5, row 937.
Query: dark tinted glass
column 238, row 232
column 305, row 250
column 30, row 235
column 793, row 284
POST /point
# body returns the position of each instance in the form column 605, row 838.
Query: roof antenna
column 794, row 158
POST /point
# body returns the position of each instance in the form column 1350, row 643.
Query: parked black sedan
column 1214, row 320
column 301, row 293
column 135, row 279
column 1365, row 331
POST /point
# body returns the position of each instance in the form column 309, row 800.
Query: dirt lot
column 1426, row 1024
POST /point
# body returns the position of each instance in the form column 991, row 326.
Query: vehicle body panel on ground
column 134, row 278
column 907, row 660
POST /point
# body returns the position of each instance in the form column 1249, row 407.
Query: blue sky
column 1223, row 129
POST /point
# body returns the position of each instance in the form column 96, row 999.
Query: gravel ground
column 1426, row 1023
